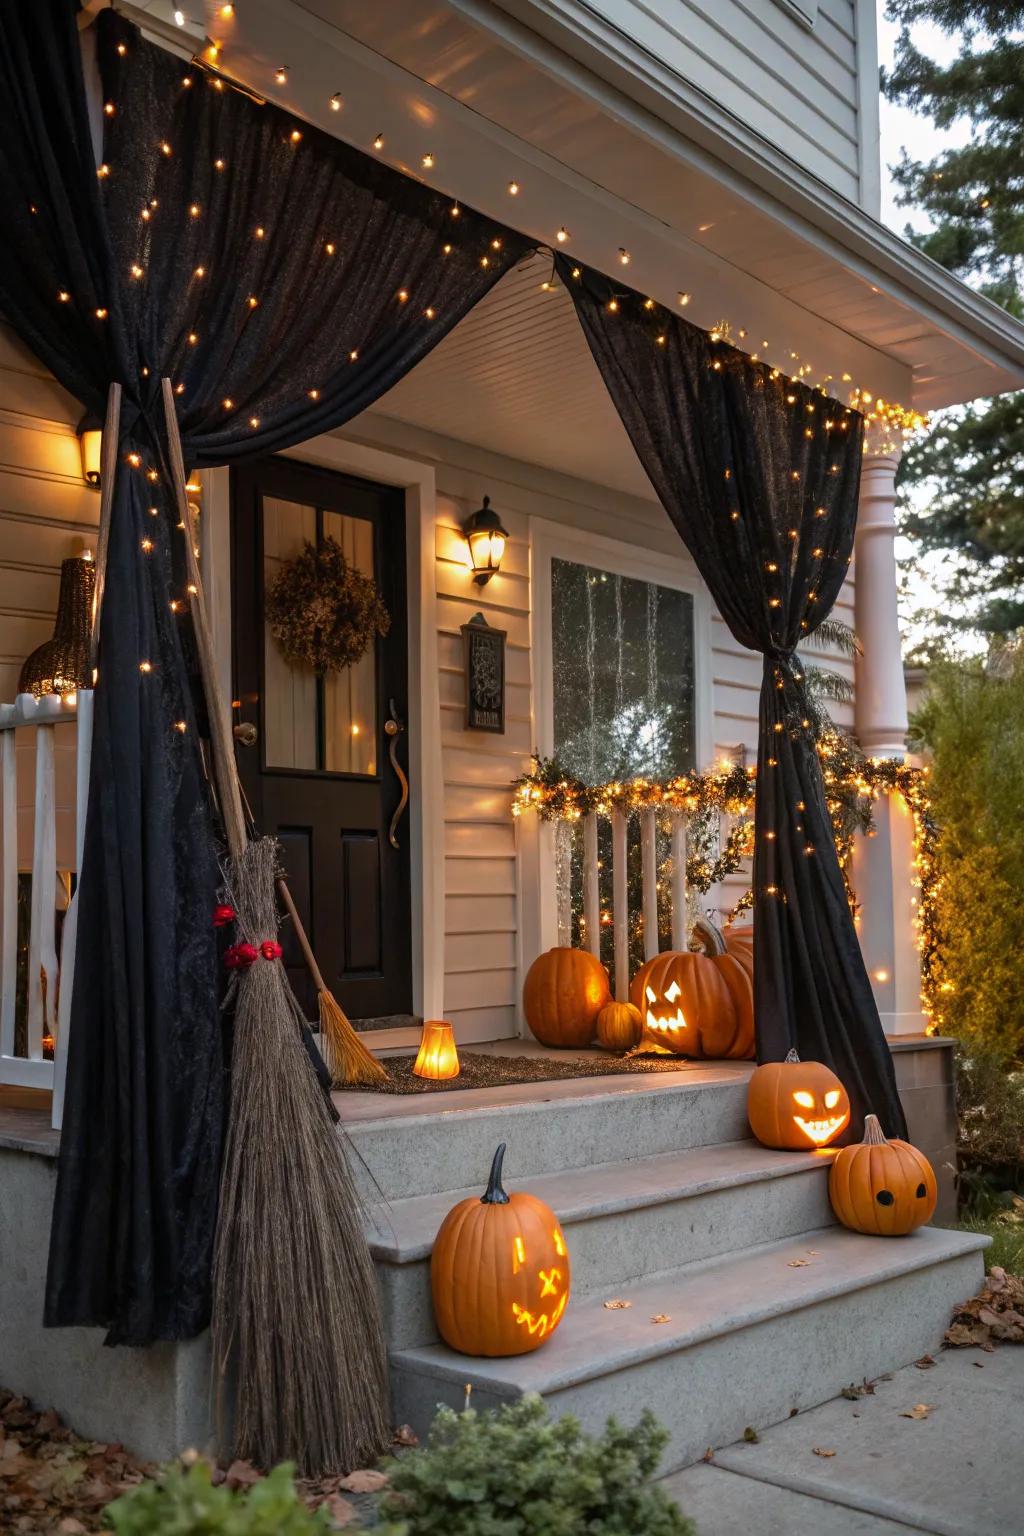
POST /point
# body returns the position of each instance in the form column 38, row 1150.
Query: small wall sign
column 484, row 657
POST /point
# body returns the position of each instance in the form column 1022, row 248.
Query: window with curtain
column 623, row 691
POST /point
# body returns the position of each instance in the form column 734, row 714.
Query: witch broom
column 295, row 1312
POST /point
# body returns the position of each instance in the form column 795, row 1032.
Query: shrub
column 990, row 1110
column 972, row 722
column 182, row 1501
column 517, row 1472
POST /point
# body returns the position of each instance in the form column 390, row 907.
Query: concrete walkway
column 956, row 1471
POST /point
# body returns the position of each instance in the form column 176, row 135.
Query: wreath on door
column 323, row 612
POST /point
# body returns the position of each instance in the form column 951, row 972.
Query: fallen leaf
column 661, row 1317
column 925, row 1363
column 405, row 1435
column 340, row 1510
column 798, row 1263
column 242, row 1474
column 709, row 1454
column 366, row 1480
column 853, row 1392
column 751, row 1436
column 617, row 1305
column 919, row 1411
column 819, row 1450
column 980, row 1364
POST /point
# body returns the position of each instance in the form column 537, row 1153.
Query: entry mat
column 482, row 1070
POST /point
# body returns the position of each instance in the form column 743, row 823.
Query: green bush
column 972, row 723
column 990, row 1111
column 518, row 1472
column 184, row 1502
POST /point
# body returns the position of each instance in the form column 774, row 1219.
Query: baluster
column 678, row 887
column 69, row 939
column 620, row 906
column 591, row 890
column 42, row 954
column 649, row 881
column 9, row 895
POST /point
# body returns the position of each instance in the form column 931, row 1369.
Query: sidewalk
column 957, row 1470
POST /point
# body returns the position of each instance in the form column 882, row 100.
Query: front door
column 320, row 758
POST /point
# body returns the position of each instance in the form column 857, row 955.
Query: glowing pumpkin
column 740, row 944
column 795, row 1105
column 564, row 991
column 619, row 1026
column 884, row 1188
column 697, row 1004
column 499, row 1272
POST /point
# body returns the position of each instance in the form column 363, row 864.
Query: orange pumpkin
column 564, row 991
column 795, row 1105
column 499, row 1272
column 619, row 1026
column 884, row 1188
column 740, row 944
column 699, row 1005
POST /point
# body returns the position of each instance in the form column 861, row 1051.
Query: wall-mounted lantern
column 486, row 538
column 90, row 441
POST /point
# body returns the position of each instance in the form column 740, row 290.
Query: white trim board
column 426, row 799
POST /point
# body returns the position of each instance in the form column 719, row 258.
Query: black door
column 319, row 772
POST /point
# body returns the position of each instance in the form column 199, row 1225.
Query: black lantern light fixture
column 486, row 538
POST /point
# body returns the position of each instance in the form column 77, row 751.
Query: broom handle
column 108, row 472
column 300, row 933
column 224, row 766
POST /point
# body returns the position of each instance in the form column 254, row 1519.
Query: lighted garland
column 852, row 783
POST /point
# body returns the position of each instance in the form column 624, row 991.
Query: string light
column 335, row 102
column 513, row 188
column 378, row 142
column 103, row 171
column 427, row 161
column 281, row 75
column 562, row 235
column 623, row 256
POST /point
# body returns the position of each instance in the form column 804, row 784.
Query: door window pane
column 311, row 723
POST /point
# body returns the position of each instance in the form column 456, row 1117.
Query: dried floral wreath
column 323, row 612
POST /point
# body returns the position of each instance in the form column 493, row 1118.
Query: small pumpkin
column 794, row 1105
column 619, row 1026
column 883, row 1188
column 699, row 1005
column 564, row 991
column 499, row 1272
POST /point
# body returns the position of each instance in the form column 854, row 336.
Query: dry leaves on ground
column 617, row 1305
column 821, row 1450
column 995, row 1315
column 661, row 1317
column 919, row 1411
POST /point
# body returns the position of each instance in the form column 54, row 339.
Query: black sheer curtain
column 760, row 475
column 283, row 282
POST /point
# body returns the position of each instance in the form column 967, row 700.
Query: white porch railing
column 594, row 918
column 47, row 1013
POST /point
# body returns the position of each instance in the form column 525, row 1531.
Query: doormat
column 485, row 1071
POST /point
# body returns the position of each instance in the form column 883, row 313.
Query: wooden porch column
column 883, row 864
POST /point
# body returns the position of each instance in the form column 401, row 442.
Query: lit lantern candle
column 437, row 1056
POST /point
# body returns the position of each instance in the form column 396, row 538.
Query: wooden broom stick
column 108, row 474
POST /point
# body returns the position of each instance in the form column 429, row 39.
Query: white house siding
column 796, row 85
column 481, row 918
column 46, row 513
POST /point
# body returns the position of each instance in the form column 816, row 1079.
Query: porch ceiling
column 516, row 377
column 792, row 263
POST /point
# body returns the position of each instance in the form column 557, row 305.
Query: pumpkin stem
column 792, row 1056
column 710, row 936
column 874, row 1136
column 494, row 1194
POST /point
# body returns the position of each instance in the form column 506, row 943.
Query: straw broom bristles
column 295, row 1301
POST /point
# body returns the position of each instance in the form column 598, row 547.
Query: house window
column 623, row 699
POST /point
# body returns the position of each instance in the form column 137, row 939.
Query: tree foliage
column 972, row 463
column 972, row 722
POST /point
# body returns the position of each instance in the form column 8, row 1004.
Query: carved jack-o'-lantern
column 499, row 1272
column 796, row 1105
column 884, row 1188
column 697, row 1004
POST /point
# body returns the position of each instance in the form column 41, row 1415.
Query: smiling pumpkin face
column 796, row 1105
column 698, row 1005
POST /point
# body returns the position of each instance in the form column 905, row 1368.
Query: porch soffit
column 818, row 278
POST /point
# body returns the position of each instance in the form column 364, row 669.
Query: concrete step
column 622, row 1220
column 404, row 1146
column 750, row 1337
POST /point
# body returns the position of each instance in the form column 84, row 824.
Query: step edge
column 354, row 1128
column 432, row 1359
column 384, row 1252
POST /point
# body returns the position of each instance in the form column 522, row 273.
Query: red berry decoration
column 271, row 950
column 240, row 956
column 223, row 915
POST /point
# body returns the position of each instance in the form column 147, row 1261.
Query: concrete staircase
column 666, row 1204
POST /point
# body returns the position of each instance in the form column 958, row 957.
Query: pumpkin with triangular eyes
column 699, row 1005
column 884, row 1188
column 796, row 1105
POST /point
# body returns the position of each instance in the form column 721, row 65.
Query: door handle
column 246, row 734
column 393, row 728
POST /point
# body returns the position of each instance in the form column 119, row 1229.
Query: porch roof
column 624, row 158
